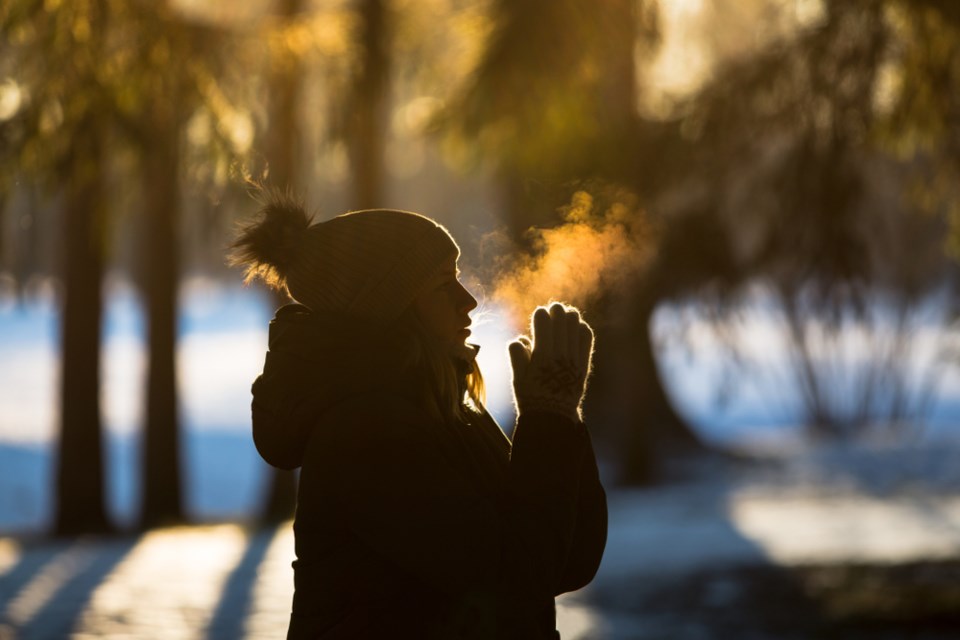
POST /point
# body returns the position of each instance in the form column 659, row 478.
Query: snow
column 888, row 500
column 850, row 529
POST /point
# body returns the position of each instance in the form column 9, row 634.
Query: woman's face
column 444, row 306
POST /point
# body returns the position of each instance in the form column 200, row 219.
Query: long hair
column 450, row 391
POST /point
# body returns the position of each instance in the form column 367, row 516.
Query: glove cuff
column 549, row 404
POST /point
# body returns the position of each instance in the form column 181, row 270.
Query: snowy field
column 223, row 334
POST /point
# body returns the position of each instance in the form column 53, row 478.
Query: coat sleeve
column 401, row 492
column 590, row 527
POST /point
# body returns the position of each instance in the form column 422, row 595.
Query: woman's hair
column 448, row 392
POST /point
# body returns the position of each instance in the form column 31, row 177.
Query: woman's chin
column 463, row 351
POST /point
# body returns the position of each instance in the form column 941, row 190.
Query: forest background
column 754, row 202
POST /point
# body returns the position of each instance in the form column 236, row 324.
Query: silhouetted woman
column 416, row 516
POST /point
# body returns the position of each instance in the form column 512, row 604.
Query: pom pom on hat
column 270, row 244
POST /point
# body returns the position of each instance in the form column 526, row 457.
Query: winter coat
column 410, row 527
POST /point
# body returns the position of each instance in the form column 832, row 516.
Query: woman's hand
column 550, row 369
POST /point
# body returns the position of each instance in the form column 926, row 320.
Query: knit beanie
column 369, row 264
column 366, row 265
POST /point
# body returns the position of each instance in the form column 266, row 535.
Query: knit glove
column 550, row 369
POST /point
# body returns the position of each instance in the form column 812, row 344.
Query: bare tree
column 365, row 113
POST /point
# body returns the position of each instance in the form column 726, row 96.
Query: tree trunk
column 367, row 109
column 282, row 144
column 692, row 250
column 162, row 478
column 283, row 156
column 654, row 429
column 79, row 504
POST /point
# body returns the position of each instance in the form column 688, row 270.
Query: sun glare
column 682, row 61
column 9, row 555
column 269, row 608
column 864, row 529
column 47, row 583
column 11, row 98
column 181, row 573
column 576, row 622
column 220, row 12
column 179, row 570
column 696, row 36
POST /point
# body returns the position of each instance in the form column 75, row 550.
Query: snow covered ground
column 691, row 560
column 690, row 545
column 830, row 543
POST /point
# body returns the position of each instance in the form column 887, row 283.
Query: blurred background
column 755, row 202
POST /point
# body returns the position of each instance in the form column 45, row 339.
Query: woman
column 416, row 516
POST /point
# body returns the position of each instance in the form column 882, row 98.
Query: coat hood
column 314, row 361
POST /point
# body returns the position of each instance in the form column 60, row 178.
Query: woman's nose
column 466, row 302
